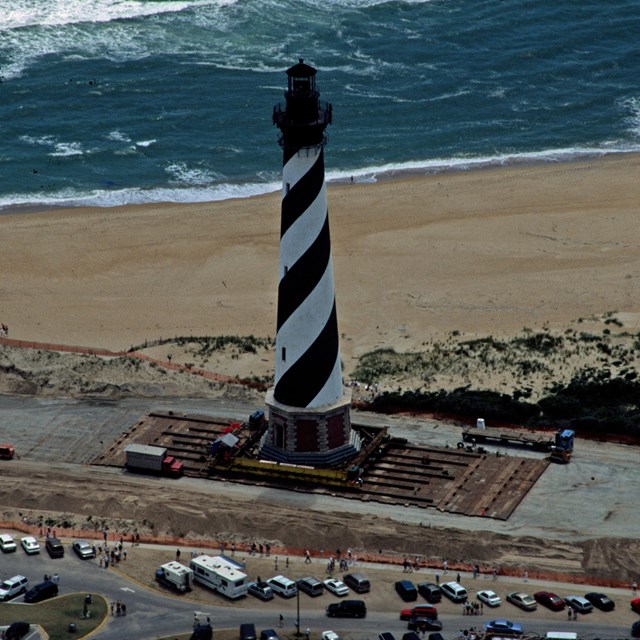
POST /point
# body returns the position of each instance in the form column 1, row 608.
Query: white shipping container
column 144, row 456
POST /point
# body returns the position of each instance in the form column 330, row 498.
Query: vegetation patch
column 584, row 380
column 205, row 346
column 55, row 615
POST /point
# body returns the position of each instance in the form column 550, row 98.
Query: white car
column 330, row 635
column 336, row 587
column 30, row 545
column 7, row 543
column 490, row 598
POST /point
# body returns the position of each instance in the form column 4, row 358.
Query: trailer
column 559, row 445
column 220, row 574
column 175, row 576
column 536, row 441
column 143, row 457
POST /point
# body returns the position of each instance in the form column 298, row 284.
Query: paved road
column 152, row 614
column 593, row 496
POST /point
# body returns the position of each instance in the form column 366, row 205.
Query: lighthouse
column 309, row 418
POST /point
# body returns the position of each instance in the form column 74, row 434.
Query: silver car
column 490, row 598
column 83, row 549
column 579, row 604
column 260, row 590
column 522, row 600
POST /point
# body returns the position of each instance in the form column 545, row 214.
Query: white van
column 454, row 591
column 7, row 543
column 283, row 586
column 13, row 586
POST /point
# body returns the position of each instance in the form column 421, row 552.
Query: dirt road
column 87, row 499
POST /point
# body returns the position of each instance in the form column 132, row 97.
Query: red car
column 422, row 610
column 635, row 605
column 550, row 600
column 7, row 451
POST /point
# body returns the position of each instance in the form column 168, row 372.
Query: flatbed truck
column 559, row 445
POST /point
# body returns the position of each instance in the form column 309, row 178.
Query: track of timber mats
column 392, row 471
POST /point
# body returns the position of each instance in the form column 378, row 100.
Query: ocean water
column 108, row 102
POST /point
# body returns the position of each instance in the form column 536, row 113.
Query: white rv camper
column 221, row 575
column 175, row 576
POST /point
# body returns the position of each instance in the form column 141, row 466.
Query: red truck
column 7, row 451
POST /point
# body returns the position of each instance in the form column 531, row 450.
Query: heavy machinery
column 562, row 448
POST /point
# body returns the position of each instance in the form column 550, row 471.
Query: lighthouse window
column 284, row 354
column 287, row 188
column 286, row 270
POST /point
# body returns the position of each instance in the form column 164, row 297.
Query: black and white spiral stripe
column 307, row 352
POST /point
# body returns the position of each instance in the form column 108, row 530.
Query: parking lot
column 145, row 599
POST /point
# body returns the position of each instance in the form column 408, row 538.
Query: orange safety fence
column 106, row 353
column 486, row 571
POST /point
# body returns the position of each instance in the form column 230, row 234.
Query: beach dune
column 486, row 251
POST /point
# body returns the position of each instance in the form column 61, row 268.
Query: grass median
column 55, row 615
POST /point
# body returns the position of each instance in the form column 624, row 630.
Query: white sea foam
column 115, row 198
column 31, row 29
column 57, row 147
column 145, row 143
column 226, row 191
column 357, row 4
column 67, row 149
column 439, row 165
column 632, row 107
column 26, row 13
column 185, row 175
column 118, row 136
column 38, row 140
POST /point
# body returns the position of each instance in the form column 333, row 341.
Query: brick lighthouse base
column 318, row 437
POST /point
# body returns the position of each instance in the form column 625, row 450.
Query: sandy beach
column 475, row 252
